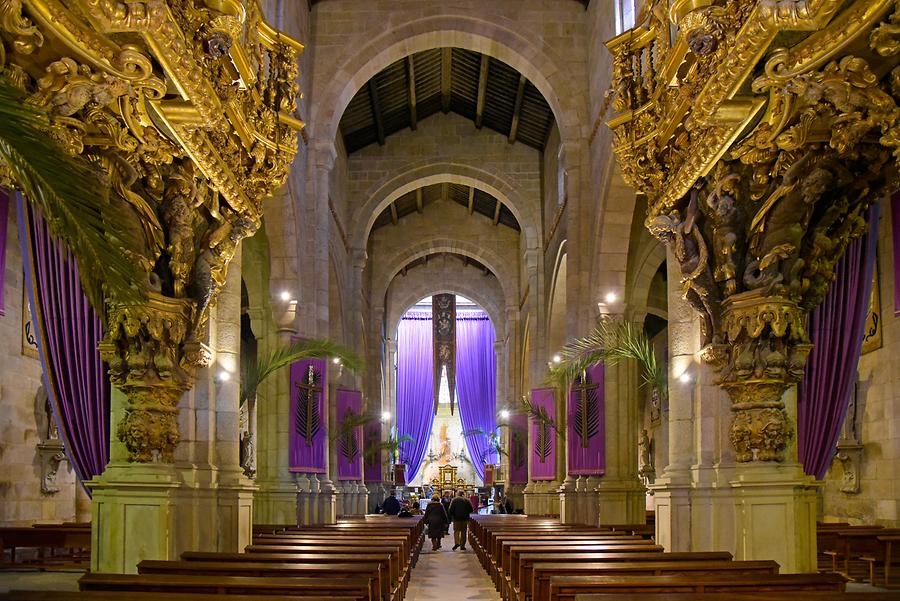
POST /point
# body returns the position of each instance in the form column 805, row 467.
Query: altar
column 447, row 480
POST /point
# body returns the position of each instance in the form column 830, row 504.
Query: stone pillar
column 672, row 489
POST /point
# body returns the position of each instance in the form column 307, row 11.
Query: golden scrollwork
column 187, row 107
column 760, row 133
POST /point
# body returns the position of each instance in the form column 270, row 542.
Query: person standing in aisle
column 436, row 522
column 459, row 512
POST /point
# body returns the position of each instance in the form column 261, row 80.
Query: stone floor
column 447, row 574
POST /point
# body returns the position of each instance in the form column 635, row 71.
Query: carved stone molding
column 850, row 455
column 51, row 454
column 758, row 162
column 187, row 108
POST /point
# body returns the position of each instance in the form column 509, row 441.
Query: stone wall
column 878, row 499
column 21, row 499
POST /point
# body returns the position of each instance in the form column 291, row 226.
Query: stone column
column 672, row 489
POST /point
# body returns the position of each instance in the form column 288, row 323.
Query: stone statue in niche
column 646, row 471
column 248, row 443
column 50, row 448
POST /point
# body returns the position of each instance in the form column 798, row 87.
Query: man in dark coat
column 436, row 520
column 460, row 509
column 391, row 505
column 445, row 501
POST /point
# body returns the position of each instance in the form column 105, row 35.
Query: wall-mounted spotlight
column 223, row 376
column 285, row 295
column 504, row 414
column 611, row 298
column 385, row 416
column 557, row 359
column 685, row 378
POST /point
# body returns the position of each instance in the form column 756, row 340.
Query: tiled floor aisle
column 447, row 574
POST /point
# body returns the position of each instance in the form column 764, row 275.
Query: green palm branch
column 610, row 341
column 73, row 197
column 350, row 422
column 495, row 441
column 391, row 445
column 539, row 414
column 257, row 372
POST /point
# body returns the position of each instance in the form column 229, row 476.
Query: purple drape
column 518, row 449
column 587, row 457
column 306, row 432
column 543, row 437
column 836, row 330
column 349, row 448
column 4, row 218
column 895, row 230
column 476, row 385
column 415, row 403
column 68, row 332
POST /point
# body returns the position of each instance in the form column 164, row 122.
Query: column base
column 275, row 503
column 621, row 502
column 672, row 500
column 542, row 498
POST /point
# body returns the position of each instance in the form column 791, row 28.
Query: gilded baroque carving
column 187, row 108
column 760, row 133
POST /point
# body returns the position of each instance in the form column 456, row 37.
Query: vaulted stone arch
column 413, row 176
column 529, row 55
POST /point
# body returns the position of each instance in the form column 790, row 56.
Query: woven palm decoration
column 308, row 421
column 586, row 420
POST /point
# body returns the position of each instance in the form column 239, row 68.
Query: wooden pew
column 354, row 588
column 543, row 573
column 379, row 589
column 881, row 552
column 566, row 588
column 527, row 561
column 143, row 596
column 762, row 596
column 45, row 538
column 389, row 571
column 860, row 541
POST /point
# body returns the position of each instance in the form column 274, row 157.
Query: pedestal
column 275, row 503
column 775, row 511
column 621, row 502
column 673, row 514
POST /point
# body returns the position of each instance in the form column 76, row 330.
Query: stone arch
column 649, row 256
column 556, row 305
column 411, row 177
column 531, row 57
column 393, row 264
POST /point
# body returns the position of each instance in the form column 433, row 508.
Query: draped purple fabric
column 68, row 332
column 4, row 217
column 415, row 402
column 836, row 330
column 349, row 448
column 476, row 384
column 895, row 230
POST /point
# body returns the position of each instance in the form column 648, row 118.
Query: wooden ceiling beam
column 411, row 78
column 471, row 199
column 394, row 218
column 517, row 110
column 446, row 64
column 420, row 202
column 497, row 212
column 376, row 111
column 482, row 89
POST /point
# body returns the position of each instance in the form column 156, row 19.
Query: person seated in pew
column 391, row 505
column 436, row 521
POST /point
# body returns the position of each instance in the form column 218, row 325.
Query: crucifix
column 308, row 422
column 587, row 414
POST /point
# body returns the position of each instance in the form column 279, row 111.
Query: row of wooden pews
column 359, row 560
column 539, row 559
column 845, row 548
column 62, row 545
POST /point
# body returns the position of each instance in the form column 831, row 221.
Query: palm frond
column 257, row 372
column 73, row 198
column 539, row 414
column 609, row 342
column 349, row 423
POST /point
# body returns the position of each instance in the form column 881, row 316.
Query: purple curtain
column 4, row 218
column 836, row 330
column 68, row 332
column 415, row 394
column 895, row 230
column 306, row 432
column 476, row 384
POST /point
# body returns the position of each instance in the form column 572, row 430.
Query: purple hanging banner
column 587, row 424
column 518, row 449
column 543, row 437
column 4, row 219
column 349, row 445
column 306, row 433
column 372, row 457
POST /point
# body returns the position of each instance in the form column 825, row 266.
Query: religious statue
column 645, row 461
